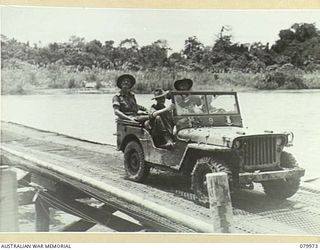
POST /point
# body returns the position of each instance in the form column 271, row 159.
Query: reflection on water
column 91, row 117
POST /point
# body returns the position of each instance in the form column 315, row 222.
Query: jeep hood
column 220, row 136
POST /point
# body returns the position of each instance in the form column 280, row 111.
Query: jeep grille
column 259, row 151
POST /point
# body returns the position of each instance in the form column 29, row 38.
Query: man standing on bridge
column 124, row 103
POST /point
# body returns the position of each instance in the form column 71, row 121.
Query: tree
column 108, row 52
column 193, row 49
column 94, row 47
column 129, row 43
column 154, row 55
column 225, row 54
column 126, row 56
column 51, row 54
column 261, row 52
column 286, row 35
column 94, row 50
column 223, row 41
column 75, row 52
column 304, row 31
column 162, row 43
column 299, row 44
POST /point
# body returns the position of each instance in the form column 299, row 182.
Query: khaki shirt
column 126, row 103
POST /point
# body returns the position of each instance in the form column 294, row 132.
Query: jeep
column 210, row 137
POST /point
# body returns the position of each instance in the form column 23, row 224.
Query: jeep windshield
column 195, row 103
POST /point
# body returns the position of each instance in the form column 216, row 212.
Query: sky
column 48, row 25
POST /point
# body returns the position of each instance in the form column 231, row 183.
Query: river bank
column 28, row 79
column 63, row 91
column 66, row 91
column 113, row 90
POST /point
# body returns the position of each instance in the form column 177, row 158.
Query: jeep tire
column 202, row 167
column 282, row 189
column 134, row 163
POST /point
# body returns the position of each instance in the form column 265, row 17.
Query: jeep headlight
column 290, row 138
column 236, row 144
column 279, row 141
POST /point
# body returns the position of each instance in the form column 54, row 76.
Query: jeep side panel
column 128, row 131
column 165, row 157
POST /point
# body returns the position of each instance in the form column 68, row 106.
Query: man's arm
column 160, row 111
column 122, row 115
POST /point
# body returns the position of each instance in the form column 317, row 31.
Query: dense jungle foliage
column 292, row 62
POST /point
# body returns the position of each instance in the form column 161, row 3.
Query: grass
column 23, row 78
column 312, row 80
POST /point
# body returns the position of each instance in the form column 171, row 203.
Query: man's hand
column 133, row 119
column 142, row 108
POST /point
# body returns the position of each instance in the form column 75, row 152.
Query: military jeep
column 210, row 137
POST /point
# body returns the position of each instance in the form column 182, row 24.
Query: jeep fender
column 195, row 151
column 126, row 140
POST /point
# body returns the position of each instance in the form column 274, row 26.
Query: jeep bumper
column 270, row 175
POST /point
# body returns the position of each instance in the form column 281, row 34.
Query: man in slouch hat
column 124, row 103
column 161, row 120
column 186, row 103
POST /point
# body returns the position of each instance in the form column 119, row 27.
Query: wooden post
column 8, row 200
column 42, row 215
column 220, row 202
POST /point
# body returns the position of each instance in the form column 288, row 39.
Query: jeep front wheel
column 282, row 189
column 134, row 164
column 203, row 167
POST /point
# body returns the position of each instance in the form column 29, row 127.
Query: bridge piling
column 42, row 215
column 8, row 200
column 220, row 202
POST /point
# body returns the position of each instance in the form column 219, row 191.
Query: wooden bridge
column 87, row 180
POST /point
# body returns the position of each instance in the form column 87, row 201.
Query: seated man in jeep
column 186, row 103
column 161, row 120
column 124, row 103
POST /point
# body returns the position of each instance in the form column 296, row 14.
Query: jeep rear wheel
column 282, row 189
column 203, row 167
column 134, row 164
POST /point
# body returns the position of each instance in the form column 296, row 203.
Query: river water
column 90, row 117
